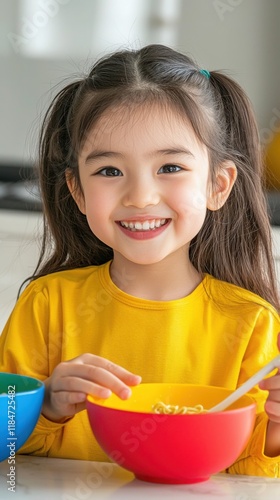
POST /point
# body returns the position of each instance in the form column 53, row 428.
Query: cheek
column 97, row 210
column 191, row 203
column 94, row 200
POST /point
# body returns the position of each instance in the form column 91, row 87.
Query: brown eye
column 169, row 169
column 109, row 172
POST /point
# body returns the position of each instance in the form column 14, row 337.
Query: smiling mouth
column 147, row 225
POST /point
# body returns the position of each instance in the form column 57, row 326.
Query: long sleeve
column 261, row 349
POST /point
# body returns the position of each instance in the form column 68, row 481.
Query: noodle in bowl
column 164, row 409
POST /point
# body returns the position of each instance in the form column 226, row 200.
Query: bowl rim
column 40, row 387
column 99, row 402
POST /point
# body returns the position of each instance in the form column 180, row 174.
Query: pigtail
column 235, row 242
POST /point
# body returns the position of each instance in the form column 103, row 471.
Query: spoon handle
column 247, row 386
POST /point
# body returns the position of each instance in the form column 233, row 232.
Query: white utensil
column 247, row 386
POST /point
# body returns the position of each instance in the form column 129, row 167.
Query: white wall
column 20, row 235
column 241, row 36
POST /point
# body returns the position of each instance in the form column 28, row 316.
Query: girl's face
column 145, row 184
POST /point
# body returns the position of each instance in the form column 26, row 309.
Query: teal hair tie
column 205, row 73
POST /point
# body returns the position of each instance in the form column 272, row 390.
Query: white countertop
column 56, row 479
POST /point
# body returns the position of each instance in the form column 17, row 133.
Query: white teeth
column 146, row 225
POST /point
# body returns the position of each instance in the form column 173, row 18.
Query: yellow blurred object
column 272, row 163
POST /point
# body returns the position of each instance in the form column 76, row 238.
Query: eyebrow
column 102, row 154
column 175, row 151
column 93, row 155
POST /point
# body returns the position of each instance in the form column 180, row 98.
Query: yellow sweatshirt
column 218, row 335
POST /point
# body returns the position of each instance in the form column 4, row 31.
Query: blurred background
column 45, row 42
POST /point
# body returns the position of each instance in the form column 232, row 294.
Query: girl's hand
column 67, row 388
column 272, row 384
column 272, row 408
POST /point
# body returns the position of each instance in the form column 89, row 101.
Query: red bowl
column 174, row 449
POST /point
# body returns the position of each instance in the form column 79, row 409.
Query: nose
column 142, row 191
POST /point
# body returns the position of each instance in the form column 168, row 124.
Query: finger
column 273, row 411
column 68, row 403
column 274, row 396
column 91, row 359
column 270, row 383
column 63, row 404
column 278, row 345
column 68, row 398
column 92, row 380
column 82, row 387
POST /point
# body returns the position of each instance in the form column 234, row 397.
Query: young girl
column 156, row 262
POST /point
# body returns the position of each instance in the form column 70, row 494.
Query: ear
column 224, row 182
column 75, row 190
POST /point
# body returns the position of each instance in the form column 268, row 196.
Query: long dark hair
column 234, row 243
